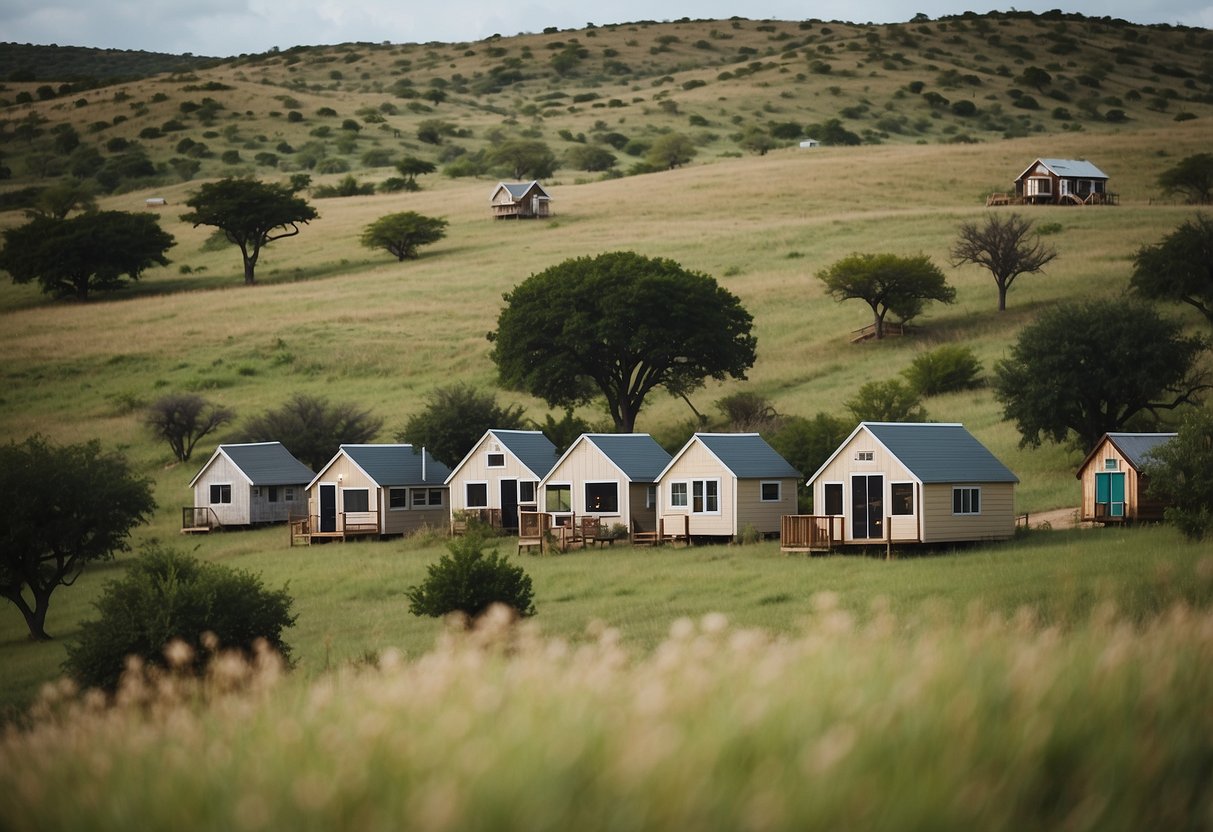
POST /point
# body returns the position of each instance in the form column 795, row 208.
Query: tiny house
column 375, row 490
column 908, row 482
column 1062, row 182
column 723, row 484
column 245, row 485
column 608, row 476
column 1114, row 488
column 500, row 476
column 520, row 200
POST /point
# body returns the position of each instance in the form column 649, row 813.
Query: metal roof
column 519, row 189
column 264, row 463
column 746, row 455
column 1136, row 447
column 533, row 449
column 397, row 464
column 1076, row 168
column 939, row 452
column 636, row 454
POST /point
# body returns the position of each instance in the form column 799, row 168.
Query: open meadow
column 1059, row 680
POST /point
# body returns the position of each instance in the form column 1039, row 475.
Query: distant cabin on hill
column 1114, row 486
column 1058, row 182
column 246, row 484
column 520, row 201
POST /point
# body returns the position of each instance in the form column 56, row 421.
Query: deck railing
column 199, row 518
column 810, row 532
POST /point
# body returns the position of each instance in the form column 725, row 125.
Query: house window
column 397, row 498
column 427, row 497
column 558, row 497
column 496, row 460
column 772, row 492
column 833, row 498
column 602, row 497
column 273, row 489
column 526, row 492
column 864, row 456
column 678, row 495
column 705, row 496
column 966, row 501
column 289, row 494
column 221, row 493
column 650, row 497
column 1111, row 464
column 903, row 498
column 476, row 495
column 356, row 499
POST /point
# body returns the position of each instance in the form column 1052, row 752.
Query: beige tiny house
column 608, row 476
column 500, row 476
column 1114, row 488
column 245, row 485
column 520, row 200
column 911, row 483
column 375, row 490
column 723, row 484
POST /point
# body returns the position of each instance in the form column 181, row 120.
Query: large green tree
column 1180, row 267
column 86, row 253
column 887, row 283
column 1084, row 369
column 454, row 418
column 402, row 233
column 524, row 158
column 64, row 507
column 1192, row 177
column 671, row 150
column 250, row 213
column 1180, row 474
column 619, row 324
column 312, row 428
column 1006, row 246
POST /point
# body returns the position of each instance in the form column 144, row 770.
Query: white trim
column 691, row 495
column 557, row 484
column 585, row 501
column 488, row 497
column 976, row 488
column 213, row 502
column 913, row 498
column 686, row 484
column 342, row 491
column 488, row 459
column 842, row 487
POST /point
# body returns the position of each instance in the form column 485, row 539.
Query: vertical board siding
column 223, row 470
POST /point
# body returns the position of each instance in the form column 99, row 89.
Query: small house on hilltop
column 906, row 482
column 1059, row 182
column 374, row 490
column 246, row 484
column 1113, row 485
column 520, row 200
column 500, row 476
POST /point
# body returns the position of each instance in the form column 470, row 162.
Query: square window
column 602, row 497
column 356, row 499
column 526, row 492
column 772, row 492
column 678, row 494
column 496, row 460
column 477, row 495
column 559, row 497
column 221, row 493
column 397, row 498
column 903, row 498
column 289, row 494
column 705, row 496
column 966, row 501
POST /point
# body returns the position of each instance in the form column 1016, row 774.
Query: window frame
column 973, row 507
column 392, row 502
column 893, row 488
column 221, row 486
column 428, row 495
column 467, row 494
column 704, row 482
column 345, row 495
column 686, row 494
column 762, row 487
column 534, row 487
column 585, row 494
column 491, row 456
column 825, row 499
column 562, row 486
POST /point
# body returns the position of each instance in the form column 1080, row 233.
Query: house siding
column 764, row 517
column 476, row 469
column 697, row 462
column 1137, row 505
column 222, row 470
column 261, row 510
column 586, row 463
column 845, row 465
column 343, row 473
column 995, row 522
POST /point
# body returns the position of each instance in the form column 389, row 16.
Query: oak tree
column 887, row 283
column 402, row 233
column 1180, row 267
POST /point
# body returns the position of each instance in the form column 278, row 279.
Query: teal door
column 1110, row 494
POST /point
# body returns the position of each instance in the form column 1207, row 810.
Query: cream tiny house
column 1113, row 484
column 246, row 484
column 500, row 476
column 520, row 200
column 608, row 476
column 909, row 482
column 723, row 484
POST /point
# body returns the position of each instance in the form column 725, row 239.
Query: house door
column 509, row 505
column 328, row 508
column 1110, row 494
column 867, row 506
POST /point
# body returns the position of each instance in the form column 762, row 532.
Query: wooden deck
column 199, row 520
column 306, row 530
column 810, row 533
column 1092, row 198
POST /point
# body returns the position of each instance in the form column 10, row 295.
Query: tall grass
column 982, row 721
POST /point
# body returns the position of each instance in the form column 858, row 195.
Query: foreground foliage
column 1181, row 475
column 988, row 722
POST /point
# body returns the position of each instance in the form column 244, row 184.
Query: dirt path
column 1058, row 518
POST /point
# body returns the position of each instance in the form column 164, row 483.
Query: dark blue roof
column 268, row 463
column 940, row 452
column 1136, row 447
column 747, row 455
column 533, row 449
column 397, row 464
column 636, row 454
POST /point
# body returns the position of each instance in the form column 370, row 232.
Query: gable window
column 397, row 498
column 221, row 493
column 966, row 500
column 476, row 495
column 705, row 496
column 678, row 494
column 526, row 492
column 1111, row 464
column 602, row 497
column 902, row 494
column 558, row 497
column 356, row 499
column 496, row 460
column 864, row 456
column 833, row 498
column 772, row 492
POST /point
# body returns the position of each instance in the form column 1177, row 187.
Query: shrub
column 469, row 581
column 168, row 596
column 886, row 401
column 1181, row 475
column 945, row 370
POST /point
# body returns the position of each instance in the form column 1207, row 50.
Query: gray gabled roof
column 533, row 449
column 940, row 452
column 1071, row 168
column 390, row 465
column 519, row 189
column 746, row 455
column 637, row 455
column 1135, row 447
column 264, row 463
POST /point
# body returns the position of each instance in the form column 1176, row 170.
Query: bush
column 886, row 401
column 168, row 596
column 1181, row 475
column 469, row 581
column 944, row 370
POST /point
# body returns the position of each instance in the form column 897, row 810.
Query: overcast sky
column 223, row 28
